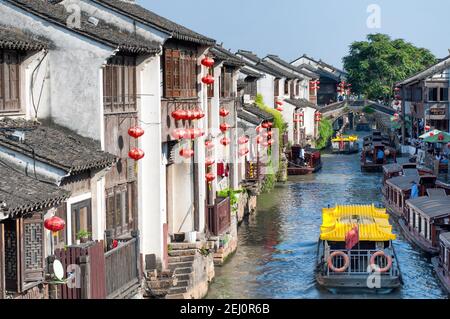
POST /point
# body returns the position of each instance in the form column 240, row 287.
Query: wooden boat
column 426, row 218
column 372, row 144
column 340, row 268
column 441, row 263
column 312, row 162
column 345, row 144
column 397, row 189
column 363, row 126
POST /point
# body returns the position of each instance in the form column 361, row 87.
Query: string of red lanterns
column 136, row 153
column 188, row 115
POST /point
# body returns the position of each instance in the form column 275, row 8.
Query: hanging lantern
column 54, row 224
column 431, row 134
column 270, row 142
column 210, row 177
column 243, row 140
column 268, row 134
column 179, row 133
column 398, row 97
column 264, row 125
column 224, row 112
column 209, row 144
column 279, row 103
column 201, row 114
column 208, row 80
column 441, row 137
column 427, row 128
column 318, row 116
column 395, row 114
column 194, row 133
column 265, row 144
column 397, row 89
column 224, row 127
column 209, row 161
column 136, row 154
column 195, row 114
column 208, row 62
column 244, row 151
column 186, row 153
column 225, row 141
column 179, row 115
column 279, row 109
column 259, row 139
column 135, row 131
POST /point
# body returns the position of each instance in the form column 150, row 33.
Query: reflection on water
column 277, row 246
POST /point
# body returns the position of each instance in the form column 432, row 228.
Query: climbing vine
column 325, row 133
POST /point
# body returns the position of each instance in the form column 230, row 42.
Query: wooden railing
column 121, row 268
column 219, row 216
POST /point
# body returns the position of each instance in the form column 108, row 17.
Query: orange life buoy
column 338, row 254
column 381, row 254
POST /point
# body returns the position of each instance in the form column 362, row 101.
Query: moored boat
column 372, row 146
column 345, row 144
column 441, row 263
column 309, row 164
column 355, row 250
column 426, row 218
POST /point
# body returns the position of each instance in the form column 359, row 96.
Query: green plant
column 368, row 110
column 232, row 194
column 205, row 252
column 325, row 133
column 83, row 234
column 169, row 248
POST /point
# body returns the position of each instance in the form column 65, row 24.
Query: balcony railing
column 219, row 216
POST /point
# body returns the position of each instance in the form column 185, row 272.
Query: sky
column 322, row 29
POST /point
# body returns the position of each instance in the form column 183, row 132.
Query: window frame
column 3, row 91
column 180, row 73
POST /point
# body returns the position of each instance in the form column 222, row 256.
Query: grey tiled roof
column 146, row 16
column 286, row 64
column 301, row 103
column 249, row 72
column 15, row 39
column 265, row 66
column 220, row 53
column 23, row 194
column 56, row 146
column 254, row 109
column 248, row 117
column 103, row 32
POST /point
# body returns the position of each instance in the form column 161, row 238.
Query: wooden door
column 81, row 217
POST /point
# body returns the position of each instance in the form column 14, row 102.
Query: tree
column 375, row 65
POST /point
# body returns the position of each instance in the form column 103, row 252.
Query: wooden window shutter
column 193, row 75
column 176, row 55
column 110, row 209
column 168, row 72
column 33, row 264
column 2, row 264
column 10, row 80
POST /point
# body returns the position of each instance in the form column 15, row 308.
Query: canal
column 277, row 245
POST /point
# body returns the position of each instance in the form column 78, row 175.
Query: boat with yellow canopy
column 344, row 144
column 355, row 250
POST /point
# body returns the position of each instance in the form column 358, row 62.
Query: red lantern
column 179, row 133
column 265, row 144
column 397, row 89
column 270, row 124
column 265, row 125
column 427, row 128
column 194, row 133
column 209, row 144
column 395, row 114
column 398, row 97
column 136, row 154
column 209, row 161
column 201, row 114
column 431, row 134
column 135, row 132
column 186, row 153
column 397, row 103
column 318, row 116
column 270, row 142
column 208, row 80
column 224, row 112
column 258, row 129
column 208, row 62
column 441, row 137
column 225, row 141
column 115, row 243
column 279, row 109
column 54, row 224
column 179, row 115
column 279, row 103
column 224, row 127
column 268, row 134
column 210, row 177
column 243, row 140
column 244, row 151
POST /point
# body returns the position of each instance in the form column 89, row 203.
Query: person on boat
column 414, row 190
column 380, row 156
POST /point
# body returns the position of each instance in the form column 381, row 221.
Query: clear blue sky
column 320, row 28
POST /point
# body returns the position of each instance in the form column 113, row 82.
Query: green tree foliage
column 375, row 65
column 325, row 133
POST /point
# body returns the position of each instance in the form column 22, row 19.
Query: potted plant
column 83, row 236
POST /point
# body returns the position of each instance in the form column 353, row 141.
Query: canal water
column 277, row 245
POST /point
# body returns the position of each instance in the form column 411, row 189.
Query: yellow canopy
column 351, row 138
column 373, row 223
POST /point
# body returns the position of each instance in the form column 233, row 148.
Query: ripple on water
column 277, row 246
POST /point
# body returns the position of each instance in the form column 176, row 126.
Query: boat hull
column 371, row 168
column 295, row 171
column 422, row 244
column 445, row 281
column 358, row 282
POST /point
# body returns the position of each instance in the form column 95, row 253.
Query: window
column 408, row 94
column 119, row 84
column 9, row 81
column 443, row 94
column 251, row 87
column 23, row 248
column 417, row 95
column 180, row 73
column 226, row 83
column 120, row 208
column 286, row 87
column 433, row 94
column 297, row 89
column 276, row 87
column 81, row 218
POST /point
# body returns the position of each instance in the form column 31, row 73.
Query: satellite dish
column 58, row 269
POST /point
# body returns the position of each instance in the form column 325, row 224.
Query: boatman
column 380, row 156
column 414, row 190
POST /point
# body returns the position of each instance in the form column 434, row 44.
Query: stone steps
column 175, row 296
column 185, row 270
column 184, row 277
column 185, row 264
column 183, row 246
column 181, row 253
column 180, row 259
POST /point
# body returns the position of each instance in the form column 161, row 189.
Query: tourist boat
column 345, row 144
column 363, row 126
column 441, row 263
column 372, row 144
column 397, row 189
column 344, row 263
column 312, row 162
column 426, row 218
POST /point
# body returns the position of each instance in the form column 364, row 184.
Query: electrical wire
column 36, row 108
